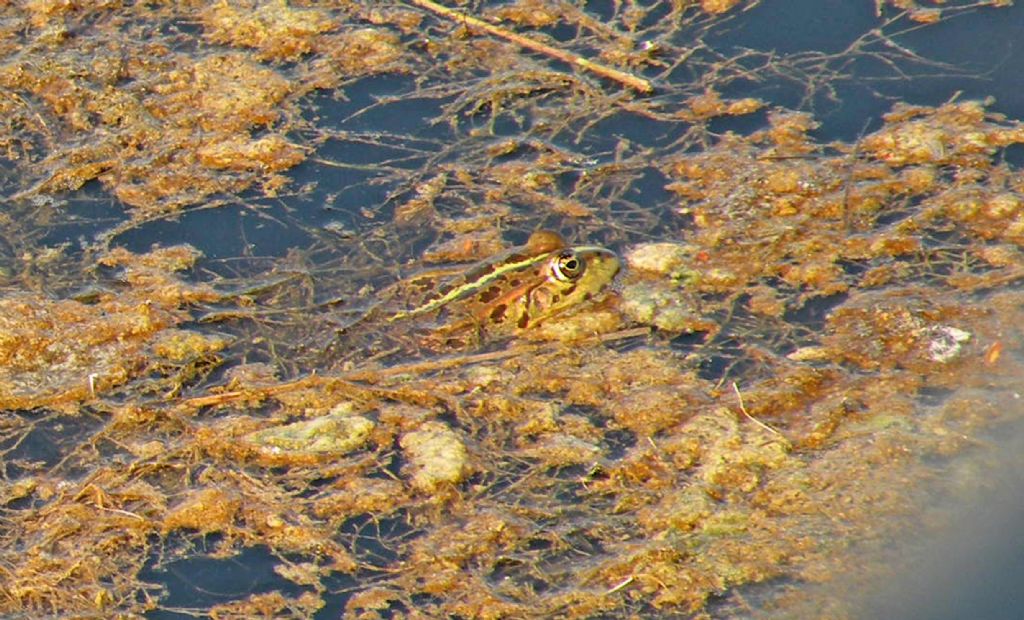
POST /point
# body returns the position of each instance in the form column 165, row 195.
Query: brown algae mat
column 806, row 338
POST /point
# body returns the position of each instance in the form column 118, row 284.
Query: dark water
column 976, row 571
column 971, row 55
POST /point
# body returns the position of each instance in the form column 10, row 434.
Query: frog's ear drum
column 568, row 266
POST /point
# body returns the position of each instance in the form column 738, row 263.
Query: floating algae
column 808, row 337
column 337, row 432
column 436, row 456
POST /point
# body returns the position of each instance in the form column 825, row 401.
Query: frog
column 505, row 295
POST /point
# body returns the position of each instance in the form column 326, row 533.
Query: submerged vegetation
column 207, row 210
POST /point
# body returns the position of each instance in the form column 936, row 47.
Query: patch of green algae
column 336, row 433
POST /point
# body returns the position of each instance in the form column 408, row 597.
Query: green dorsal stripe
column 498, row 269
column 457, row 291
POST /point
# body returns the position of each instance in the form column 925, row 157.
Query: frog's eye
column 568, row 266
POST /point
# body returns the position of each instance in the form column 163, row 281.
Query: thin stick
column 739, row 397
column 261, row 392
column 414, row 368
column 622, row 77
column 622, row 584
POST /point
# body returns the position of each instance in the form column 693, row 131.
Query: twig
column 622, row 584
column 622, row 77
column 257, row 393
column 739, row 396
column 347, row 379
column 419, row 368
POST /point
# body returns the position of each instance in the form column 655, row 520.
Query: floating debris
column 665, row 306
column 807, row 337
column 436, row 457
column 946, row 342
column 337, row 433
column 673, row 260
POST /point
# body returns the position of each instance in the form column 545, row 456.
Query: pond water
column 800, row 393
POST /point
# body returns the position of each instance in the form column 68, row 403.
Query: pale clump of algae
column 699, row 431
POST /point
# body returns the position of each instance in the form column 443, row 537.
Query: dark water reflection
column 971, row 55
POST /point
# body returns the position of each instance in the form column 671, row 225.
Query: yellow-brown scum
column 753, row 398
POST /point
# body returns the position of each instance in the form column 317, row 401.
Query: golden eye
column 568, row 266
